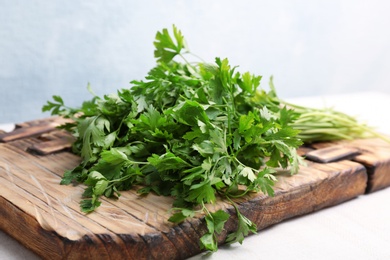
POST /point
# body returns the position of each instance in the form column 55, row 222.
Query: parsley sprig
column 194, row 131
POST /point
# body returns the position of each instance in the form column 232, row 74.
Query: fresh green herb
column 194, row 131
column 215, row 224
column 244, row 227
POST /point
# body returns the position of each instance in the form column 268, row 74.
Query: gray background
column 310, row 47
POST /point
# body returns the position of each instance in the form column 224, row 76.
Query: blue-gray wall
column 311, row 47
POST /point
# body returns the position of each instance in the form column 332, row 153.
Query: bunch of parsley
column 193, row 131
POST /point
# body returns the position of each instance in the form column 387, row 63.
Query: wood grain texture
column 45, row 216
column 33, row 128
column 332, row 154
column 374, row 154
column 52, row 142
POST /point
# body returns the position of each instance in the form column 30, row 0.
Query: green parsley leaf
column 245, row 226
column 215, row 224
column 167, row 47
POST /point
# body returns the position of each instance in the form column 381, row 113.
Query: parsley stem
column 186, row 61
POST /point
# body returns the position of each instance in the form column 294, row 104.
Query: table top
column 357, row 229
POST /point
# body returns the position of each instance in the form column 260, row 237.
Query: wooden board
column 374, row 154
column 45, row 216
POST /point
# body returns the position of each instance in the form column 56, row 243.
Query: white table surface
column 357, row 229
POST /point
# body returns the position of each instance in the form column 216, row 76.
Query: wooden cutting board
column 45, row 216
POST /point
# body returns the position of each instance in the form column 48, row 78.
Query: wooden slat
column 52, row 142
column 26, row 132
column 332, row 154
column 33, row 128
column 51, row 146
column 41, row 121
